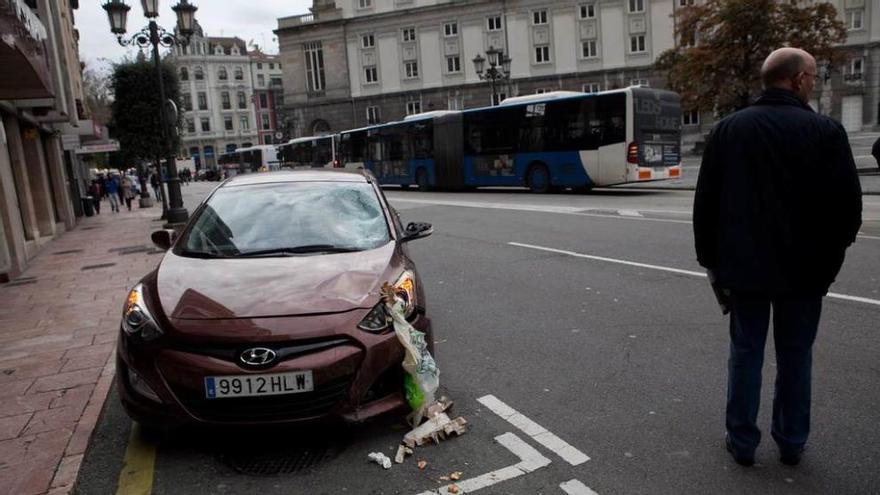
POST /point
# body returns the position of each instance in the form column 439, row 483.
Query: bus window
column 611, row 112
column 421, row 140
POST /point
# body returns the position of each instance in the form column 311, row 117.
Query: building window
column 364, row 4
column 685, row 3
column 690, row 117
column 497, row 98
column 371, row 75
column 199, row 74
column 264, row 121
column 271, row 66
column 413, row 107
column 587, row 10
column 409, row 34
column 259, row 65
column 411, row 69
column 206, row 125
column 203, row 100
column 450, row 29
column 239, row 74
column 591, row 88
column 854, row 71
column 541, row 91
column 222, row 74
column 184, row 74
column 455, row 103
column 639, row 82
column 242, row 100
column 187, row 101
column 261, row 80
column 453, row 64
column 264, row 100
column 542, row 54
column 244, row 123
column 854, row 19
column 227, row 123
column 494, row 23
column 314, row 66
column 588, row 49
column 191, row 126
column 636, row 6
column 372, row 115
column 637, row 43
column 224, row 98
column 368, row 41
column 267, row 139
column 539, row 17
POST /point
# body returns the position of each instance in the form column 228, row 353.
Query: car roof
column 314, row 175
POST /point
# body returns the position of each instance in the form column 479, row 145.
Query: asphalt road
column 625, row 363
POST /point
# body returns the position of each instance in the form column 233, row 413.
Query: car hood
column 194, row 288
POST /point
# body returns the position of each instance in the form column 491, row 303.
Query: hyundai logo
column 258, row 356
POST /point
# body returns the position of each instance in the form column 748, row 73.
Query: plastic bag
column 417, row 362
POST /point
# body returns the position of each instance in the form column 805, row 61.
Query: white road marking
column 629, row 213
column 537, row 432
column 529, row 460
column 832, row 295
column 575, row 487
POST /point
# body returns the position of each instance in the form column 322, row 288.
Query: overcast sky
column 250, row 20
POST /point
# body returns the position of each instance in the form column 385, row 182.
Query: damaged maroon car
column 267, row 307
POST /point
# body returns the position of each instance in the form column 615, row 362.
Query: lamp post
column 155, row 35
column 499, row 69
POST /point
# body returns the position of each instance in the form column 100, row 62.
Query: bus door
column 611, row 119
column 449, row 151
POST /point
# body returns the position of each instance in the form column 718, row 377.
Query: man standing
column 778, row 202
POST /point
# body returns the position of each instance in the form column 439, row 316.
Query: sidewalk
column 58, row 328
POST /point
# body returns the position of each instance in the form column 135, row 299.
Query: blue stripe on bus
column 565, row 169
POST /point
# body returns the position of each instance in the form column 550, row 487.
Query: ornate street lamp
column 498, row 71
column 152, row 36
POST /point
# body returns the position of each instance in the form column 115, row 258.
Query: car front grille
column 289, row 407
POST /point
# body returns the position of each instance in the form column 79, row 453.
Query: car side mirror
column 163, row 239
column 416, row 230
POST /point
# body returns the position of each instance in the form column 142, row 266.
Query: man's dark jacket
column 778, row 199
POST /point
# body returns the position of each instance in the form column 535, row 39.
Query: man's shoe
column 791, row 458
column 742, row 460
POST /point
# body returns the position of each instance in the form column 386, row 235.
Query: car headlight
column 136, row 318
column 378, row 319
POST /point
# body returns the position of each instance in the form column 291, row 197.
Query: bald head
column 783, row 65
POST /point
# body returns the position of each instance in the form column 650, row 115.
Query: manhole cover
column 283, row 459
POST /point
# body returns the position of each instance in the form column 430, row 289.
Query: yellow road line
column 136, row 477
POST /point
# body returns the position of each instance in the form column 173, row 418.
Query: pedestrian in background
column 127, row 191
column 154, row 183
column 112, row 189
column 95, row 193
column 777, row 203
column 875, row 150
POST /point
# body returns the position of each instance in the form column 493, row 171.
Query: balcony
column 25, row 76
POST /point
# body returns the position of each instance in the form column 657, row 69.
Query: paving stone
column 65, row 476
column 11, row 426
column 13, row 406
column 66, row 380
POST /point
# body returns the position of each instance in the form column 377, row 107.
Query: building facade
column 41, row 99
column 351, row 63
column 216, row 87
column 268, row 95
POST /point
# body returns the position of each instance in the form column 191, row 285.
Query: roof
column 314, row 175
column 227, row 44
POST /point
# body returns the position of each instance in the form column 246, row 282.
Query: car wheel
column 422, row 180
column 539, row 179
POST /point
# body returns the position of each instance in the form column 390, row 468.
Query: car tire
column 538, row 179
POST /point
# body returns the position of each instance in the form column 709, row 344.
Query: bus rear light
column 675, row 172
column 632, row 153
column 644, row 174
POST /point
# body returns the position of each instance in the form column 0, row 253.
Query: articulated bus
column 261, row 158
column 310, row 152
column 543, row 142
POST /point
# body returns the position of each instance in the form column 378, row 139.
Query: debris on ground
column 437, row 428
column 380, row 459
column 423, row 464
column 453, row 488
column 455, row 476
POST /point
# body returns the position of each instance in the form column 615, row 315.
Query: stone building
column 350, row 63
column 41, row 99
column 268, row 95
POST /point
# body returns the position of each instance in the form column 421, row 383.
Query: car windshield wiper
column 310, row 248
column 203, row 254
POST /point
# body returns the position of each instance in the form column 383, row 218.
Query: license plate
column 219, row 387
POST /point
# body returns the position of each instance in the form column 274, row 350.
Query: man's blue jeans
column 795, row 323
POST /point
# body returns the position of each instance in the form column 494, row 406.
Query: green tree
column 722, row 44
column 135, row 118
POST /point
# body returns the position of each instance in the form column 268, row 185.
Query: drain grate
column 95, row 267
column 283, row 459
column 69, row 251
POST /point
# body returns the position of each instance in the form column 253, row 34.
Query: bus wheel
column 404, row 186
column 539, row 179
column 422, row 180
column 582, row 189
